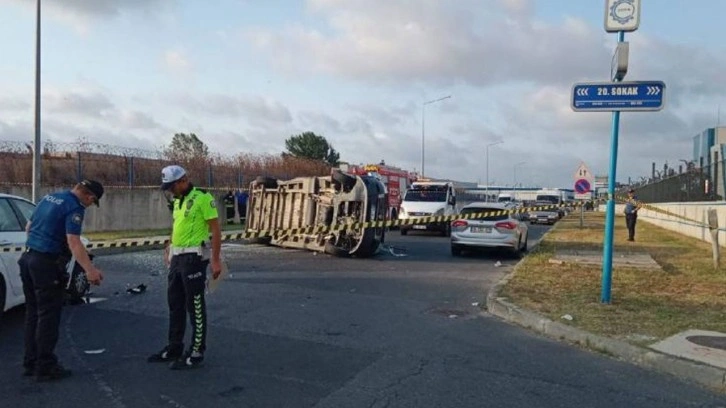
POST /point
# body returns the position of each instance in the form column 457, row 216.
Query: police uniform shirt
column 631, row 205
column 191, row 213
column 55, row 216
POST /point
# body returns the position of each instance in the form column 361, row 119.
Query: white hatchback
column 497, row 229
column 14, row 214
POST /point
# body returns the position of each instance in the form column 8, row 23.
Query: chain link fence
column 68, row 163
column 694, row 184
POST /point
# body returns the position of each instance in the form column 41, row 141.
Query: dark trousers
column 42, row 277
column 185, row 294
column 230, row 213
column 630, row 220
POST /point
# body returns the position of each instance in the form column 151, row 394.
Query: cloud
column 176, row 61
column 79, row 101
column 255, row 110
column 434, row 42
column 137, row 120
column 13, row 103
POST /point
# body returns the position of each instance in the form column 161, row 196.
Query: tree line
column 307, row 145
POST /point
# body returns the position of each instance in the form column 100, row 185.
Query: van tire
column 267, row 182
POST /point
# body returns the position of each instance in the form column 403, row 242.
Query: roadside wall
column 121, row 209
column 696, row 211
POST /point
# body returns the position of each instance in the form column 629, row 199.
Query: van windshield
column 553, row 199
column 424, row 195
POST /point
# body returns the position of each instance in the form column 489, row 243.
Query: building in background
column 709, row 148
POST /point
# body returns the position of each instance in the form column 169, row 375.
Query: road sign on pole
column 618, row 96
column 622, row 15
column 582, row 186
column 583, row 172
column 619, row 64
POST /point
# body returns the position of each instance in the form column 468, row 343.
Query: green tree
column 185, row 146
column 312, row 146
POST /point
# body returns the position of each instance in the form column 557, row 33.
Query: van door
column 12, row 235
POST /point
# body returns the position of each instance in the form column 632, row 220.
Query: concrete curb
column 709, row 376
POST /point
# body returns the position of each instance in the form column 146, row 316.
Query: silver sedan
column 497, row 227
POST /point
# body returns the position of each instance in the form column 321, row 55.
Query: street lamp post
column 514, row 190
column 36, row 142
column 487, row 180
column 423, row 129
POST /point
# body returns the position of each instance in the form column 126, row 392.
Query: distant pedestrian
column 229, row 200
column 241, row 197
column 54, row 235
column 631, row 213
column 188, row 255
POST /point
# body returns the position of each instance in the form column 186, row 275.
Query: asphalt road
column 297, row 329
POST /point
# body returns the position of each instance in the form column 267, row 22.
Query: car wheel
column 456, row 250
column 525, row 247
column 517, row 250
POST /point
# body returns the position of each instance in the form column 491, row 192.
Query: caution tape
column 658, row 210
column 334, row 228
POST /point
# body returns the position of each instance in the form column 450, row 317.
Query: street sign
column 622, row 15
column 619, row 64
column 582, row 186
column 618, row 96
column 583, row 172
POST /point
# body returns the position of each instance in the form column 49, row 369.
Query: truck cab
column 425, row 200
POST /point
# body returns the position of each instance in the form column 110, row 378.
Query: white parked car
column 505, row 230
column 14, row 214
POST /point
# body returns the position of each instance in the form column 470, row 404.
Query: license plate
column 419, row 227
column 481, row 229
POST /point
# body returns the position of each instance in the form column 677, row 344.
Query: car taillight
column 459, row 223
column 506, row 225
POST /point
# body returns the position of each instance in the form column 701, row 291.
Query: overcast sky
column 245, row 75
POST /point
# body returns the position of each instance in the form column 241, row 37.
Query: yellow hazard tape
column 650, row 207
column 324, row 229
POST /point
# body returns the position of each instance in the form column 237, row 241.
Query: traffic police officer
column 631, row 213
column 195, row 216
column 54, row 232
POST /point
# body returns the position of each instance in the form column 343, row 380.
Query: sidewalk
column 694, row 355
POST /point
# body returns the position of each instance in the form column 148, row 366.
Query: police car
column 14, row 214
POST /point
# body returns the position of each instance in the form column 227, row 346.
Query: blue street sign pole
column 607, row 261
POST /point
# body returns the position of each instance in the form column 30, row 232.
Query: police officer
column 631, row 213
column 195, row 215
column 54, row 232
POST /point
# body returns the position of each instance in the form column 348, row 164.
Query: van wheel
column 342, row 181
column 404, row 231
column 267, row 182
column 331, row 249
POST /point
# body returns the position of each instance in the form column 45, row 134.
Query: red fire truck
column 396, row 180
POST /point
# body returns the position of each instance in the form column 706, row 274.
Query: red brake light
column 506, row 225
column 459, row 223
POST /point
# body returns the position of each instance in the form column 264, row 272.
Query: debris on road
column 141, row 288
